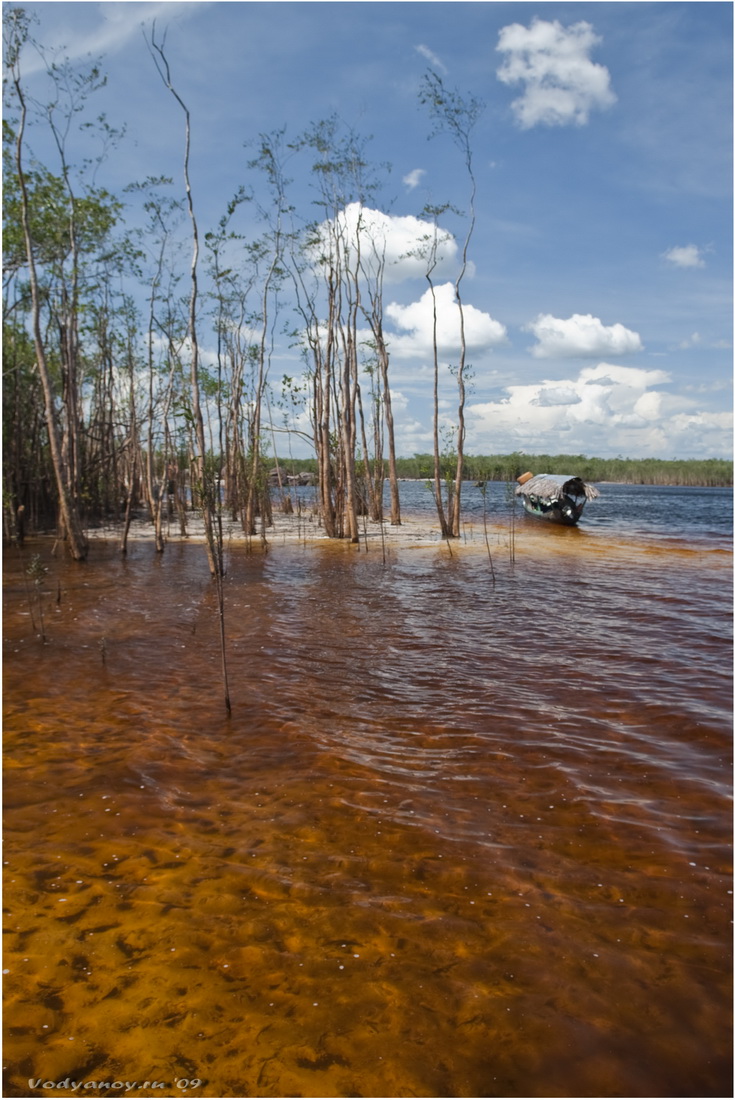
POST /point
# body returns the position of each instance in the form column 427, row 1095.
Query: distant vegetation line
column 632, row 471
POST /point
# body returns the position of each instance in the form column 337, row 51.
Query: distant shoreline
column 715, row 473
column 599, row 481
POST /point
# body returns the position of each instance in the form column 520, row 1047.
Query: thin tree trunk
column 254, row 487
column 445, row 528
column 214, row 541
column 462, row 357
column 395, row 500
column 133, row 465
column 77, row 542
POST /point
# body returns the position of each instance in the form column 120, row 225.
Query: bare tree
column 428, row 251
column 208, row 482
column 456, row 115
column 269, row 161
column 373, row 270
column 330, row 279
column 133, row 442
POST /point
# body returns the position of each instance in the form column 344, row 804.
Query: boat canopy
column 555, row 486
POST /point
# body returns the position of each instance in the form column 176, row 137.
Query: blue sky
column 600, row 280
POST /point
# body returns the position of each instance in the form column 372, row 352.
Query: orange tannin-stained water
column 457, row 839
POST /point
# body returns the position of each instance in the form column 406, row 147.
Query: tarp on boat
column 553, row 487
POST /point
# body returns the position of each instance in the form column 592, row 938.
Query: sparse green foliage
column 450, row 111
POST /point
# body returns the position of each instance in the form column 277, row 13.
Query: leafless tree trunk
column 211, row 507
column 320, row 343
column 133, row 447
column 374, row 317
column 438, row 498
column 456, row 116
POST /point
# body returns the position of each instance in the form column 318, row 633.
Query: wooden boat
column 559, row 498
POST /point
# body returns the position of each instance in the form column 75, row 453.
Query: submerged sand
column 305, row 527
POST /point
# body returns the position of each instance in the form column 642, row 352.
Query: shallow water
column 457, row 839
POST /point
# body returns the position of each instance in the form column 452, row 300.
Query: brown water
column 457, row 839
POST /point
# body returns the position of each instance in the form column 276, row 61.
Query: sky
column 598, row 295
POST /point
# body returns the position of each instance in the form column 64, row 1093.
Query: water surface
column 459, row 838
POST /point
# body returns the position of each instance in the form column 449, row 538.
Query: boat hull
column 564, row 511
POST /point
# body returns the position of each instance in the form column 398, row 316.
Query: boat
column 559, row 498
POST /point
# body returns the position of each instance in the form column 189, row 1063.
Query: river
column 466, row 832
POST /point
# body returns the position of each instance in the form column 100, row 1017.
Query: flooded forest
column 321, row 782
column 138, row 344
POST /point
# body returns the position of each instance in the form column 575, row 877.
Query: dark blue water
column 671, row 513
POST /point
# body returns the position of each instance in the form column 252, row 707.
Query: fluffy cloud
column 606, row 409
column 403, row 241
column 561, row 84
column 413, row 437
column 556, row 393
column 580, row 336
column 688, row 255
column 398, row 401
column 416, row 320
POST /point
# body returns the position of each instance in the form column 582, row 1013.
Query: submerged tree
column 457, row 116
column 62, row 445
column 166, row 329
column 267, row 257
column 338, row 280
column 429, row 251
column 372, row 273
column 207, row 478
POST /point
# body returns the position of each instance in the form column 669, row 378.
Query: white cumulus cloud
column 561, row 85
column 635, row 378
column 688, row 255
column 402, row 241
column 556, row 393
column 482, row 332
column 398, row 401
column 606, row 409
column 580, row 336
